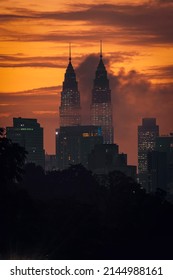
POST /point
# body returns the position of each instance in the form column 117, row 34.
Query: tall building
column 157, row 171
column 147, row 133
column 28, row 134
column 70, row 98
column 101, row 109
column 74, row 143
column 164, row 144
column 106, row 158
column 160, row 164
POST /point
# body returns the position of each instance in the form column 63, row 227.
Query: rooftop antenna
column 70, row 52
column 100, row 48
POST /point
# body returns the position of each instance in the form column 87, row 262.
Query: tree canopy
column 12, row 160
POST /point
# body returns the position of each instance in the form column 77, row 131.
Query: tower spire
column 100, row 48
column 69, row 52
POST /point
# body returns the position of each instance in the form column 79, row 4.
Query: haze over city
column 137, row 51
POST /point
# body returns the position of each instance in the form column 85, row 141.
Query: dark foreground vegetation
column 75, row 215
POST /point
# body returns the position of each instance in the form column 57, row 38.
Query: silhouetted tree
column 12, row 159
column 34, row 180
column 75, row 215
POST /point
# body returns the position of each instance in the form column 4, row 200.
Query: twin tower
column 100, row 109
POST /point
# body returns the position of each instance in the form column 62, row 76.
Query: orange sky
column 137, row 45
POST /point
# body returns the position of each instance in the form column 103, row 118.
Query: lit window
column 85, row 134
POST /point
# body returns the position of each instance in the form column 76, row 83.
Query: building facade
column 147, row 133
column 164, row 144
column 74, row 143
column 28, row 134
column 105, row 158
column 157, row 171
column 101, row 109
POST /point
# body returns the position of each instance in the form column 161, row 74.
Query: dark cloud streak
column 160, row 72
column 21, row 60
column 147, row 23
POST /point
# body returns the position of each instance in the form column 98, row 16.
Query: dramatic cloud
column 20, row 60
column 137, row 35
column 140, row 24
column 161, row 72
column 133, row 97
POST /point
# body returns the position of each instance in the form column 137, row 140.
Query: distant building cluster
column 155, row 157
column 28, row 134
column 93, row 145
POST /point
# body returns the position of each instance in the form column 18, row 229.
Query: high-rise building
column 164, row 144
column 28, row 134
column 105, row 158
column 70, row 112
column 74, row 143
column 160, row 164
column 157, row 171
column 101, row 109
column 147, row 133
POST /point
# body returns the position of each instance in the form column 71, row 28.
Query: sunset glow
column 137, row 50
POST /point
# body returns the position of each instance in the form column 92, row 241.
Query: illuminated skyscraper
column 70, row 98
column 101, row 109
column 147, row 133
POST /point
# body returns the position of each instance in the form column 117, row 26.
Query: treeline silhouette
column 73, row 214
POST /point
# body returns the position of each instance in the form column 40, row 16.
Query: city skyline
column 34, row 57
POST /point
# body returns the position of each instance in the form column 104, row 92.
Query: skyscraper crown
column 70, row 97
column 101, row 81
column 101, row 92
column 70, row 76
